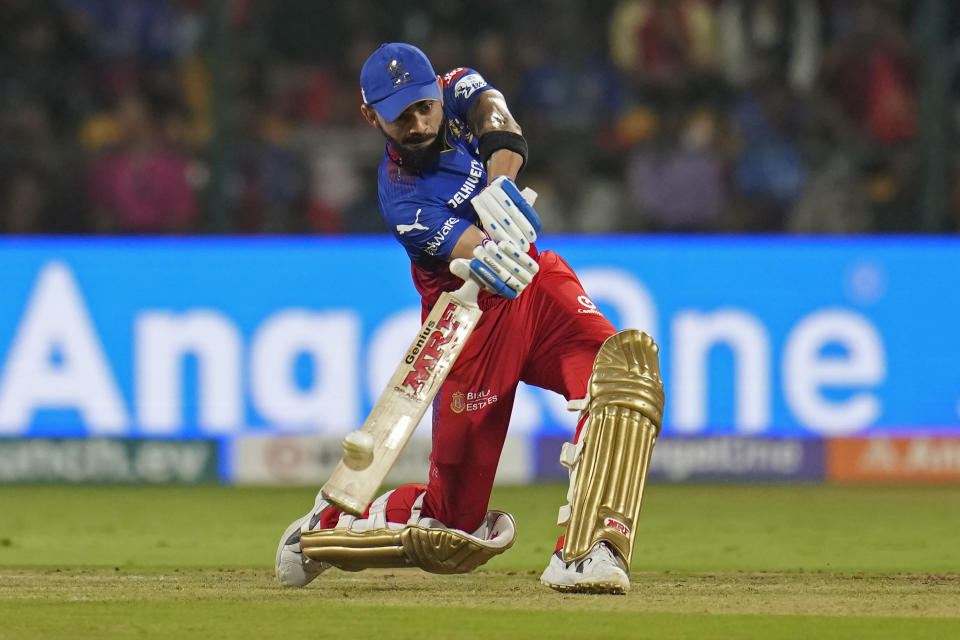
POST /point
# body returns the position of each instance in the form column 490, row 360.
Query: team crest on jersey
column 459, row 130
column 400, row 75
column 467, row 85
column 458, row 402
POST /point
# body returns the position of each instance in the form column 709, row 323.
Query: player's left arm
column 503, row 149
column 497, row 256
column 506, row 213
column 501, row 145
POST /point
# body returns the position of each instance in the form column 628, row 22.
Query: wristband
column 498, row 139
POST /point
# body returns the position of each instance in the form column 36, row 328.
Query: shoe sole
column 610, row 588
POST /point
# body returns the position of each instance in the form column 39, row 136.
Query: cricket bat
column 398, row 410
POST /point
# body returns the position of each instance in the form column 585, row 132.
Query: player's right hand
column 502, row 268
column 507, row 213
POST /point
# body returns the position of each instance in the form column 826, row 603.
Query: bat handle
column 468, row 292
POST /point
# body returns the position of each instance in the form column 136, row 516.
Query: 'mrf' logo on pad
column 619, row 527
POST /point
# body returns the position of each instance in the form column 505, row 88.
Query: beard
column 418, row 150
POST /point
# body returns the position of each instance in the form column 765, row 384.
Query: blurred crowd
column 241, row 116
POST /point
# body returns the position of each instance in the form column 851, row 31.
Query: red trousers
column 548, row 337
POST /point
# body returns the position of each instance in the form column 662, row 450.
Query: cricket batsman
column 447, row 190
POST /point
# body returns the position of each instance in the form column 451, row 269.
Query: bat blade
column 410, row 391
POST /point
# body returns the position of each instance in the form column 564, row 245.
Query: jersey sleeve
column 461, row 86
column 427, row 232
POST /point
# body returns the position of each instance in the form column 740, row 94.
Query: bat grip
column 468, row 292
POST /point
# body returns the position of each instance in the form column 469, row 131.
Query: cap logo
column 400, row 75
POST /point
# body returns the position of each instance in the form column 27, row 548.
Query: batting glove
column 500, row 267
column 507, row 213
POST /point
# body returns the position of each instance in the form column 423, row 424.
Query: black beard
column 418, row 158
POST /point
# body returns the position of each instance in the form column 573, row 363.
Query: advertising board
column 217, row 338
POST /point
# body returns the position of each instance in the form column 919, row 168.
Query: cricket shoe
column 600, row 571
column 293, row 568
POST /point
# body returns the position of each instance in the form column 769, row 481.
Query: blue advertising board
column 194, row 337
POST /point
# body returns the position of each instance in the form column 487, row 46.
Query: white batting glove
column 499, row 266
column 507, row 213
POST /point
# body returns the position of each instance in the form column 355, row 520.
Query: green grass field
column 711, row 562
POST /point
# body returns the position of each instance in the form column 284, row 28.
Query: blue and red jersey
column 429, row 210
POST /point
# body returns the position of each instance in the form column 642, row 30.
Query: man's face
column 415, row 134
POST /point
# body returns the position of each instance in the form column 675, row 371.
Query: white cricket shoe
column 293, row 568
column 600, row 571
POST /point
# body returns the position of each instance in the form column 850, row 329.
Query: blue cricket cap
column 395, row 76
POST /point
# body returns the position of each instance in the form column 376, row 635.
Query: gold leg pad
column 626, row 411
column 433, row 549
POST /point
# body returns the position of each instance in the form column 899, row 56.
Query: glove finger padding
column 466, row 269
column 507, row 270
column 506, row 214
column 501, row 268
column 525, row 266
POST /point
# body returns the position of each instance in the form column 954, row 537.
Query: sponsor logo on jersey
column 616, row 525
column 477, row 400
column 406, row 228
column 468, row 84
column 452, row 75
column 469, row 185
column 471, row 400
column 434, row 245
column 426, row 352
column 587, row 306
